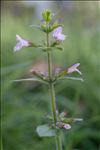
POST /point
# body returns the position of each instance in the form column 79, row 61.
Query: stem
column 53, row 103
column 49, row 66
column 58, row 142
column 52, row 95
column 53, row 106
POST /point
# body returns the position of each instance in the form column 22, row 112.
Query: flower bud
column 66, row 126
column 47, row 15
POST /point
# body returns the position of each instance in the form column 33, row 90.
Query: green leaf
column 43, row 27
column 54, row 44
column 70, row 120
column 45, row 49
column 45, row 131
column 71, row 78
column 60, row 48
column 56, row 25
column 29, row 79
column 78, row 119
column 36, row 26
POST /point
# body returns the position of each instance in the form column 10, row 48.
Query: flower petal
column 75, row 65
column 21, row 43
column 57, row 30
column 17, row 47
column 18, row 38
column 61, row 37
column 67, row 126
column 79, row 71
column 73, row 68
column 58, row 35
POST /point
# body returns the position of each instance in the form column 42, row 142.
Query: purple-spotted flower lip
column 21, row 43
column 73, row 68
column 66, row 126
column 57, row 34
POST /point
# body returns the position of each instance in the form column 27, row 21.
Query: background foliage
column 24, row 105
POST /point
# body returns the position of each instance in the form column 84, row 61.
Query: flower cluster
column 21, row 43
column 58, row 73
column 62, row 125
column 58, row 36
column 63, row 122
column 48, row 26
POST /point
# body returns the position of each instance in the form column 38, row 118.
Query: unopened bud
column 47, row 15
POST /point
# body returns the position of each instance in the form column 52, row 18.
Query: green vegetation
column 25, row 104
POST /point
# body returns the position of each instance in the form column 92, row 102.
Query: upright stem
column 52, row 94
column 53, row 103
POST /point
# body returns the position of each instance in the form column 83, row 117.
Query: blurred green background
column 25, row 104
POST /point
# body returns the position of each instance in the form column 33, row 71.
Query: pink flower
column 58, row 35
column 74, row 68
column 66, row 126
column 21, row 43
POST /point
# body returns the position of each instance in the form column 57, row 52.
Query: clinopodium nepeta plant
column 56, row 121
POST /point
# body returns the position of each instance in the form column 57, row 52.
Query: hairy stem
column 52, row 95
